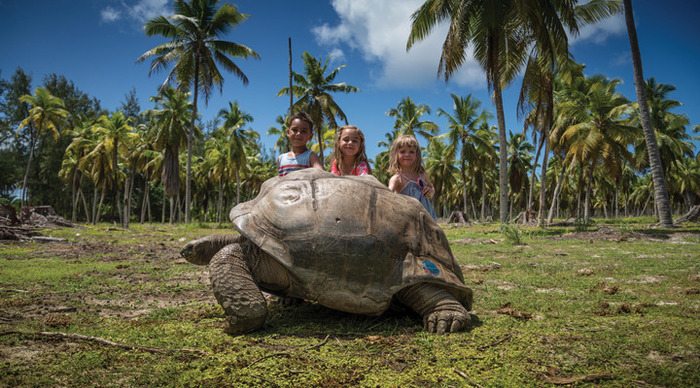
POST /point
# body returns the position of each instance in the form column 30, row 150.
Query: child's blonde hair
column 361, row 155
column 401, row 142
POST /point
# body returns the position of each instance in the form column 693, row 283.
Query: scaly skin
column 441, row 312
column 236, row 291
column 201, row 251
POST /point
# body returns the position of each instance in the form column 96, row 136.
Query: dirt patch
column 607, row 234
column 471, row 241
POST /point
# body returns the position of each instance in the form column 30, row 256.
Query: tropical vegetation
column 584, row 150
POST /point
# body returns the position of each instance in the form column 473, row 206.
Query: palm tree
column 195, row 50
column 82, row 142
column 596, row 131
column 439, row 165
column 660, row 191
column 500, row 32
column 408, row 119
column 328, row 140
column 236, row 136
column 519, row 162
column 281, row 132
column 170, row 132
column 314, row 92
column 97, row 164
column 549, row 55
column 46, row 114
column 113, row 130
column 673, row 140
column 462, row 134
column 490, row 27
column 381, row 160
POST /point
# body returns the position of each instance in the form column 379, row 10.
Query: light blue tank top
column 414, row 190
column 287, row 163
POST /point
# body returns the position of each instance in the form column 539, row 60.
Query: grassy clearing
column 616, row 305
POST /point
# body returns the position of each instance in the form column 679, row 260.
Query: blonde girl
column 349, row 156
column 409, row 177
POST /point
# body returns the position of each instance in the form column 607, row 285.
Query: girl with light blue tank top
column 414, row 188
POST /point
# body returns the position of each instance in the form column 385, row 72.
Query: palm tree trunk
column 319, row 135
column 32, row 142
column 115, row 184
column 74, row 196
column 502, row 153
column 483, row 199
column 94, row 206
column 148, row 204
column 555, row 195
column 644, row 209
column 162, row 211
column 190, row 139
column 220, row 202
column 85, row 205
column 657, row 173
column 532, row 176
column 99, row 205
column 543, row 184
column 587, row 202
column 238, row 187
column 144, row 203
column 291, row 95
column 549, row 119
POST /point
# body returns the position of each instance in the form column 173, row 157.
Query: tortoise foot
column 447, row 320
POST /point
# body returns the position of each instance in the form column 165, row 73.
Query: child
column 409, row 175
column 299, row 133
column 349, row 156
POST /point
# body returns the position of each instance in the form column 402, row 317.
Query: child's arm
column 315, row 161
column 395, row 183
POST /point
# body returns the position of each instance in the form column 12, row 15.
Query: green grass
column 615, row 305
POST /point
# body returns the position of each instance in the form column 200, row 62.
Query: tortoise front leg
column 441, row 312
column 236, row 291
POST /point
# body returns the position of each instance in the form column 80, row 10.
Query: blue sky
column 95, row 44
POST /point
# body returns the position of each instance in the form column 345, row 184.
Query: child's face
column 299, row 133
column 407, row 157
column 350, row 142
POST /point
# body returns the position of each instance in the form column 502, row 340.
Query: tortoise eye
column 287, row 195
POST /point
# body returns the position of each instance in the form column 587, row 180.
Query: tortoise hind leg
column 236, row 291
column 441, row 312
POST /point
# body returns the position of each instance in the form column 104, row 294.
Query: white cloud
column 336, row 55
column 138, row 12
column 600, row 31
column 110, row 14
column 378, row 29
column 145, row 10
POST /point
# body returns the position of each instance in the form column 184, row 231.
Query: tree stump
column 456, row 217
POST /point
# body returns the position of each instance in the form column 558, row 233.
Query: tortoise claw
column 446, row 321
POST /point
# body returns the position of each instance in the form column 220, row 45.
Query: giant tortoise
column 347, row 243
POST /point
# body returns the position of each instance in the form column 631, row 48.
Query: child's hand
column 429, row 191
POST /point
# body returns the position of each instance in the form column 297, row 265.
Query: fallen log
column 693, row 215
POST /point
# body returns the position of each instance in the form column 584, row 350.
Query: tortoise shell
column 349, row 243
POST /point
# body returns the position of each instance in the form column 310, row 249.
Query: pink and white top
column 360, row 169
